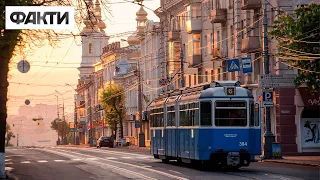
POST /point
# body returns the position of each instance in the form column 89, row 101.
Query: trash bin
column 276, row 150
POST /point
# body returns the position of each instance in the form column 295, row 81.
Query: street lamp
column 62, row 115
column 76, row 137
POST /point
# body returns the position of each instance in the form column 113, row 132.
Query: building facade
column 210, row 32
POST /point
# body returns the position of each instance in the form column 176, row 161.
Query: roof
column 220, row 92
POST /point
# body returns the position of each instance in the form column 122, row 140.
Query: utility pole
column 141, row 134
column 181, row 62
column 58, row 120
column 269, row 137
column 90, row 114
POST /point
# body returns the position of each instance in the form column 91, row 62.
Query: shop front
column 309, row 121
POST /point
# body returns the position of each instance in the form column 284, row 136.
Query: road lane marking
column 123, row 163
column 25, row 162
column 77, row 159
column 92, row 159
column 175, row 171
column 58, row 160
column 111, row 158
column 122, row 171
column 42, row 161
column 7, row 160
column 126, row 157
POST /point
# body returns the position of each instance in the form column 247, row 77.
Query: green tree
column 9, row 134
column 298, row 35
column 64, row 129
column 112, row 99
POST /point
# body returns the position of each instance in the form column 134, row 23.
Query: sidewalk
column 297, row 160
column 79, row 146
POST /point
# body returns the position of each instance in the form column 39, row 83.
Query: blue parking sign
column 233, row 65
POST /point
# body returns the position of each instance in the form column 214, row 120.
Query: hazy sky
column 46, row 76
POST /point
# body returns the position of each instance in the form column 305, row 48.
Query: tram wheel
column 165, row 160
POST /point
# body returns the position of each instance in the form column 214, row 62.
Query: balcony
column 173, row 35
column 194, row 25
column 250, row 4
column 194, row 60
column 251, row 44
column 219, row 16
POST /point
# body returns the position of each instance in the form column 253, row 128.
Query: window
column 190, row 81
column 231, row 3
column 205, row 44
column 156, row 117
column 242, row 30
column 212, row 76
column 196, row 44
column 206, row 76
column 231, row 113
column 90, row 48
column 218, row 39
column 189, row 114
column 231, row 35
column 174, row 56
column 196, row 10
column 219, row 74
column 205, row 113
column 171, row 116
column 209, row 46
column 199, row 78
column 194, row 79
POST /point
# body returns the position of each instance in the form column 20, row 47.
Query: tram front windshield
column 231, row 113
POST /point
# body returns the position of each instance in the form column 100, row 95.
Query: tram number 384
column 243, row 144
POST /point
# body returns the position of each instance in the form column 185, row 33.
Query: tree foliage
column 298, row 35
column 63, row 128
column 112, row 99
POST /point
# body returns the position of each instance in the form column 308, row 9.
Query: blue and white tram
column 213, row 123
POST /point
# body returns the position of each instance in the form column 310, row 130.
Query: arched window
column 90, row 48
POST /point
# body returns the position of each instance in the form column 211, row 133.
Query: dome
column 101, row 25
column 132, row 40
column 142, row 12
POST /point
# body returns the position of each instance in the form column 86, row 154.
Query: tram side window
column 189, row 114
column 171, row 116
column 205, row 114
column 252, row 114
column 156, row 117
column 231, row 114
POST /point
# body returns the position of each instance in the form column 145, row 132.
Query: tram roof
column 240, row 92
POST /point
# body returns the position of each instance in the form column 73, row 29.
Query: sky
column 51, row 68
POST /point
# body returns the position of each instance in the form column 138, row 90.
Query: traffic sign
column 267, row 97
column 246, row 65
column 23, row 66
column 233, row 65
column 277, row 81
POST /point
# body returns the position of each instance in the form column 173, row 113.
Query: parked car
column 105, row 141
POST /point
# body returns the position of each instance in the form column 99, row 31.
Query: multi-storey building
column 210, row 32
column 94, row 39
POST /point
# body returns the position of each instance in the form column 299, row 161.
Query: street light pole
column 63, row 116
column 141, row 134
column 58, row 142
column 269, row 137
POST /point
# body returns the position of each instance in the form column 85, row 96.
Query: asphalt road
column 117, row 164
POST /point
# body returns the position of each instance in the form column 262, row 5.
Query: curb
column 294, row 163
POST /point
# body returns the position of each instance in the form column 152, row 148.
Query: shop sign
column 308, row 98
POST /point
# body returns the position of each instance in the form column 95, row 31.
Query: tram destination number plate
column 277, row 81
